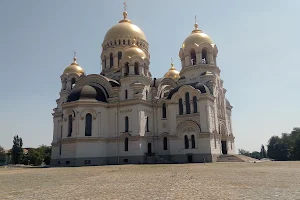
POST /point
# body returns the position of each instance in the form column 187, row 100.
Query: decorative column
column 199, row 57
column 68, row 86
column 211, row 58
column 99, row 123
column 77, row 123
column 187, row 60
column 115, row 61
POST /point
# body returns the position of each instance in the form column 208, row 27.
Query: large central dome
column 125, row 28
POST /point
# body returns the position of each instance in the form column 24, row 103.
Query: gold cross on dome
column 74, row 58
column 125, row 6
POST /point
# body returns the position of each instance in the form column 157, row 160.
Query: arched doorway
column 223, row 132
column 224, row 146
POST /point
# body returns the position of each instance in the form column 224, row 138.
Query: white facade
column 123, row 115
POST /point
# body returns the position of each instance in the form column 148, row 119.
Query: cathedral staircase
column 229, row 158
column 236, row 158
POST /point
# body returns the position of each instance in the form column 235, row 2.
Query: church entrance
column 190, row 158
column 149, row 149
column 224, row 147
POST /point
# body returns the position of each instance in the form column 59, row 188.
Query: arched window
column 126, row 94
column 61, row 131
column 119, row 42
column 165, row 143
column 193, row 142
column 88, row 124
column 126, row 124
column 147, row 124
column 119, row 57
column 193, row 57
column 145, row 71
column 164, row 111
column 129, row 42
column 104, row 62
column 126, row 144
column 187, row 103
column 73, row 81
column 64, row 84
column 195, row 104
column 146, row 95
column 186, row 142
column 111, row 60
column 70, row 125
column 136, row 68
column 115, row 42
column 204, row 56
column 60, row 149
column 126, row 69
column 180, row 107
column 124, row 42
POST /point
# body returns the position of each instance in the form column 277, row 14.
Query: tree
column 278, row 148
column 2, row 154
column 35, row 158
column 45, row 152
column 263, row 152
column 295, row 154
column 255, row 154
column 244, row 152
column 17, row 150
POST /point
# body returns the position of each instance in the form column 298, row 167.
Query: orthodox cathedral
column 124, row 115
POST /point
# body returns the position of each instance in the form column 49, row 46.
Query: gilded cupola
column 197, row 37
column 125, row 29
column 134, row 50
column 172, row 73
column 74, row 67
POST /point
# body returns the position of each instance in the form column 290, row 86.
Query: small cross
column 74, row 54
column 195, row 19
column 125, row 6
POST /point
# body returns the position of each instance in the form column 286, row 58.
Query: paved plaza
column 268, row 180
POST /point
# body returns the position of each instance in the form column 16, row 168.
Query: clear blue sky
column 258, row 44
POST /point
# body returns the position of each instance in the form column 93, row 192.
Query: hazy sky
column 258, row 42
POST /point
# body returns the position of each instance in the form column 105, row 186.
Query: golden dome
column 197, row 37
column 74, row 68
column 125, row 28
column 134, row 51
column 172, row 73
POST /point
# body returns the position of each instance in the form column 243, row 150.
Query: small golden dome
column 74, row 68
column 125, row 28
column 197, row 37
column 172, row 73
column 134, row 51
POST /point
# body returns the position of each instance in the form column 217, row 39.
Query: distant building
column 124, row 115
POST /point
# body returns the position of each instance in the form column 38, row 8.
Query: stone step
column 229, row 158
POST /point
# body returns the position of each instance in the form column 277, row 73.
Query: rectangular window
column 67, row 162
column 87, row 162
column 58, row 162
column 125, row 160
